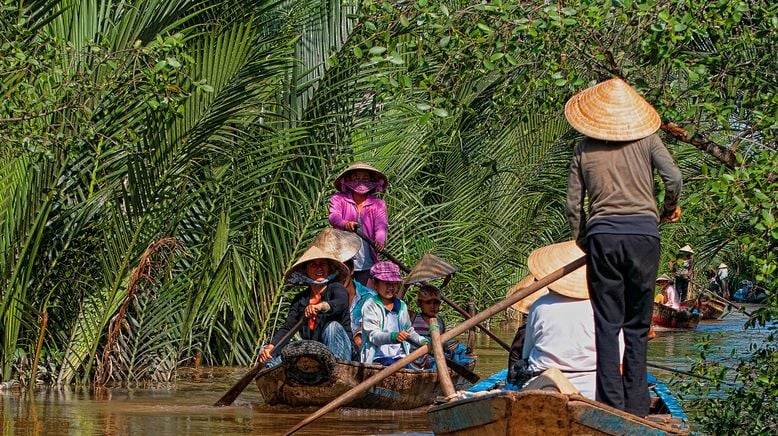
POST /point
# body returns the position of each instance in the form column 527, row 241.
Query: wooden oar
column 512, row 299
column 441, row 360
column 690, row 374
column 445, row 299
column 457, row 368
column 229, row 397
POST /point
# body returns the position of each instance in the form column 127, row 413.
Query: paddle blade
column 229, row 397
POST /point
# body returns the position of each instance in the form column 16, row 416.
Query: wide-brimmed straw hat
column 386, row 272
column 340, row 243
column 612, row 111
column 380, row 177
column 664, row 278
column 723, row 265
column 315, row 252
column 686, row 249
column 525, row 304
column 548, row 259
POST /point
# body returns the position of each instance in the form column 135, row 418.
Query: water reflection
column 186, row 408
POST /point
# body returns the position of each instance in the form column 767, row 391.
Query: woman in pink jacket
column 354, row 205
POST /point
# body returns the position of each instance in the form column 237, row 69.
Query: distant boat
column 711, row 307
column 666, row 317
column 315, row 378
column 506, row 411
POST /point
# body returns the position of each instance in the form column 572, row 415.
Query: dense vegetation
column 164, row 162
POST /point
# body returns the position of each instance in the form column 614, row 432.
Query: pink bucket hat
column 386, row 272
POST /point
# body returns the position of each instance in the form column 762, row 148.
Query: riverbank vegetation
column 164, row 162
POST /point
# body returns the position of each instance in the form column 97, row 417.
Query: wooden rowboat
column 666, row 317
column 711, row 307
column 315, row 378
column 541, row 412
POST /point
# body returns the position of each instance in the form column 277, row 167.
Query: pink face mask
column 361, row 187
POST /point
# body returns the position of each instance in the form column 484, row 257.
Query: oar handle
column 445, row 299
column 456, row 367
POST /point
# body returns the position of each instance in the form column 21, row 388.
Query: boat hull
column 405, row 389
column 711, row 308
column 536, row 412
column 665, row 317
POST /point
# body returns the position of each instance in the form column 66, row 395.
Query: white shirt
column 671, row 297
column 560, row 334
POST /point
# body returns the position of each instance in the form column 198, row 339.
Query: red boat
column 666, row 317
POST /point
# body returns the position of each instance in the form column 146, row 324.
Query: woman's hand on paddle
column 379, row 246
column 350, row 225
column 312, row 310
column 403, row 335
column 265, row 355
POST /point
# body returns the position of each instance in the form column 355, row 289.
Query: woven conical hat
column 429, row 267
column 340, row 243
column 723, row 265
column 314, row 252
column 361, row 166
column 524, row 305
column 686, row 249
column 664, row 278
column 612, row 111
column 546, row 260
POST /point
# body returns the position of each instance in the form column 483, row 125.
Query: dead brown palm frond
column 155, row 260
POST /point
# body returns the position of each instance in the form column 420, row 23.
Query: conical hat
column 362, row 166
column 429, row 267
column 546, row 260
column 314, row 252
column 612, row 111
column 525, row 304
column 664, row 278
column 723, row 265
column 340, row 243
column 687, row 249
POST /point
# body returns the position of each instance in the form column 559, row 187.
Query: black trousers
column 621, row 271
column 682, row 286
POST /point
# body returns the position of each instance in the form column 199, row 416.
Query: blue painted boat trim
column 497, row 380
column 669, row 399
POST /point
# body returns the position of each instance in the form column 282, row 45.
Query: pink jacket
column 343, row 209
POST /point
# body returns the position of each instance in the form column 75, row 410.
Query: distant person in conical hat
column 683, row 270
column 559, row 331
column 614, row 166
column 670, row 296
column 722, row 278
column 355, row 205
column 324, row 302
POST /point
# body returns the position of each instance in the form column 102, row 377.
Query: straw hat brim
column 686, row 249
column 546, row 260
column 612, row 111
column 314, row 252
column 723, row 265
column 664, row 278
column 525, row 304
column 341, row 244
column 361, row 166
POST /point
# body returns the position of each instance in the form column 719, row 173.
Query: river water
column 186, row 407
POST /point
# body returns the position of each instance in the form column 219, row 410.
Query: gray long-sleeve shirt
column 618, row 177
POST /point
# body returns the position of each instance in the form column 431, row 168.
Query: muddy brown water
column 186, row 407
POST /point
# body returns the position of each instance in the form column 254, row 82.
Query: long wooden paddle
column 690, row 374
column 229, row 397
column 457, row 368
column 441, row 360
column 461, row 328
column 445, row 299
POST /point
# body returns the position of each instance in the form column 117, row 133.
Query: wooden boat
column 542, row 412
column 666, row 317
column 315, row 378
column 711, row 307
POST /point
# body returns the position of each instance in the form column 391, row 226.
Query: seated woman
column 670, row 297
column 560, row 326
column 385, row 321
column 324, row 303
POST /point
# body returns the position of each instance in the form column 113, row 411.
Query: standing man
column 722, row 277
column 614, row 165
column 683, row 270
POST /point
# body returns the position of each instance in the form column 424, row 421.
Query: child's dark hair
column 350, row 265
